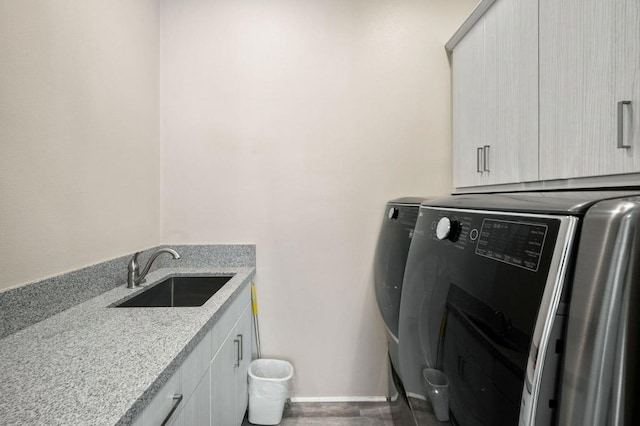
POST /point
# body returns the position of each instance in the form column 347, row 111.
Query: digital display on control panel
column 516, row 243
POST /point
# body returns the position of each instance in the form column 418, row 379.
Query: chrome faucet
column 134, row 277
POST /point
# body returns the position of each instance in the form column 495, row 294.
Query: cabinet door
column 197, row 410
column 223, row 386
column 468, row 80
column 229, row 370
column 161, row 405
column 244, row 330
column 511, row 87
column 495, row 97
column 627, row 41
column 588, row 63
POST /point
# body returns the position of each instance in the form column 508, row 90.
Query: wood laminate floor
column 335, row 414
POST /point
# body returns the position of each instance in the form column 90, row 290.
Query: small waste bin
column 270, row 384
column 438, row 392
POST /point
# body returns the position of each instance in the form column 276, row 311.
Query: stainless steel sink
column 177, row 292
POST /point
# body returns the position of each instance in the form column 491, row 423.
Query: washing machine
column 517, row 299
column 391, row 255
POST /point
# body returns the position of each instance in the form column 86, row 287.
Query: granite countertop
column 93, row 364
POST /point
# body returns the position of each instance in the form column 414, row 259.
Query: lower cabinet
column 245, row 329
column 210, row 387
column 229, row 369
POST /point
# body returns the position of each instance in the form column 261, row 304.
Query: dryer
column 390, row 258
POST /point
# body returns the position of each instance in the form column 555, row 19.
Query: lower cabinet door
column 166, row 405
column 229, row 374
column 197, row 411
column 223, row 386
column 244, row 332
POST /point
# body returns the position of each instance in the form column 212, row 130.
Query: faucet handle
column 133, row 263
column 133, row 270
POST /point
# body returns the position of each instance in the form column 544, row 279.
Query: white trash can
column 438, row 392
column 270, row 384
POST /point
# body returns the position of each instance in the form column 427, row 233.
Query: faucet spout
column 134, row 276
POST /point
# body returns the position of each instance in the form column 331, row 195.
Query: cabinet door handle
column 461, row 366
column 479, row 159
column 241, row 347
column 177, row 398
column 236, row 342
column 621, row 105
column 486, row 158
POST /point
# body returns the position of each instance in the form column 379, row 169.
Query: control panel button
column 393, row 213
column 445, row 228
column 473, row 234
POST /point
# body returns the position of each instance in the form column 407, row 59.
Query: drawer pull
column 479, row 159
column 621, row 143
column 177, row 398
column 486, row 157
column 461, row 363
column 237, row 361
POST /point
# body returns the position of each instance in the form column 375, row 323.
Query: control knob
column 447, row 229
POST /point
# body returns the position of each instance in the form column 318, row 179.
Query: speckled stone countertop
column 96, row 365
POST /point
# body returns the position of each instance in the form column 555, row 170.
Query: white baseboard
column 338, row 399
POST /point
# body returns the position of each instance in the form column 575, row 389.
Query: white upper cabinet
column 511, row 45
column 495, row 97
column 627, row 40
column 468, row 108
column 546, row 90
column 589, row 71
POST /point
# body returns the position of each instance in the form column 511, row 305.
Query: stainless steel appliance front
column 529, row 305
column 470, row 306
column 600, row 382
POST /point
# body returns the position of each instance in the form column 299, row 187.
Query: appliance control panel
column 516, row 240
column 516, row 243
column 404, row 216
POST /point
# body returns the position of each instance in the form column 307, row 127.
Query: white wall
column 289, row 124
column 79, row 134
